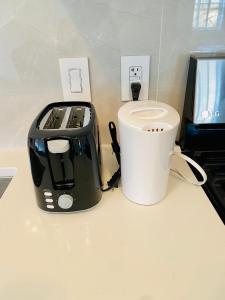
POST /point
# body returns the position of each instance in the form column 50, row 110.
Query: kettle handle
column 195, row 165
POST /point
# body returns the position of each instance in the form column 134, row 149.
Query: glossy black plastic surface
column 75, row 172
column 205, row 143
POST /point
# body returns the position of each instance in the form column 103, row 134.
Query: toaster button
column 65, row 201
column 49, row 200
column 50, row 206
column 47, row 194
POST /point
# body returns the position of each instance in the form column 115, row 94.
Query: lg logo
column 207, row 114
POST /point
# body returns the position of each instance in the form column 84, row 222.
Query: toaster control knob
column 65, row 201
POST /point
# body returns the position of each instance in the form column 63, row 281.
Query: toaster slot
column 76, row 117
column 62, row 170
column 55, row 118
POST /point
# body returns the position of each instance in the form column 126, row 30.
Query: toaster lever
column 58, row 146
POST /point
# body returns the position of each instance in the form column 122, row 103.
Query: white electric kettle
column 147, row 132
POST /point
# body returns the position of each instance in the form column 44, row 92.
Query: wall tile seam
column 160, row 45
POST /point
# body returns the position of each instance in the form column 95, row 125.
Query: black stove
column 203, row 123
column 213, row 162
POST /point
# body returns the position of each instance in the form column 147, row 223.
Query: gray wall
column 34, row 34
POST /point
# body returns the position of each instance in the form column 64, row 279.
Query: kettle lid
column 148, row 114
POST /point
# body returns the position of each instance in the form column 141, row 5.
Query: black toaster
column 65, row 157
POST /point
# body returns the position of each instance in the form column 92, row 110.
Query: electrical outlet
column 135, row 74
column 134, row 69
column 75, row 79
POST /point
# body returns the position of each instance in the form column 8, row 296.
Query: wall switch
column 134, row 69
column 75, row 79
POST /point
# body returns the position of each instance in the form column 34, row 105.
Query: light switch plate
column 75, row 79
column 134, row 69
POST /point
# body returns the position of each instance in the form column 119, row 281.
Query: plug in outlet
column 75, row 79
column 134, row 69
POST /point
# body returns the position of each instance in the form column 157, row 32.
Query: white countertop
column 117, row 251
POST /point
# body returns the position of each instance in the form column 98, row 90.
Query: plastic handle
column 195, row 165
column 148, row 113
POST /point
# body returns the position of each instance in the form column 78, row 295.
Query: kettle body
column 64, row 150
column 147, row 132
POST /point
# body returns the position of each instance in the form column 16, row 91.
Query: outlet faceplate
column 134, row 69
column 75, row 79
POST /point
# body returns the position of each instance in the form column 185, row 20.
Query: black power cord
column 114, row 181
column 115, row 145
